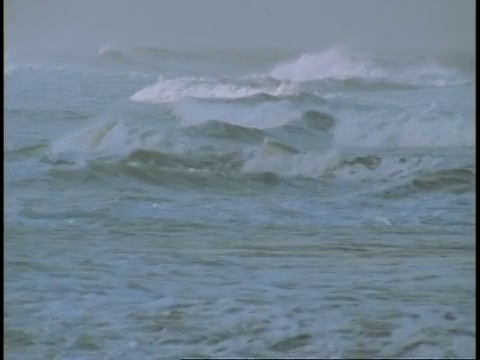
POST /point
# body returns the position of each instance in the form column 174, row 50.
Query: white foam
column 339, row 64
column 116, row 138
column 171, row 90
column 333, row 63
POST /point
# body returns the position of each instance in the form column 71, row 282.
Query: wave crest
column 110, row 55
column 335, row 64
column 171, row 90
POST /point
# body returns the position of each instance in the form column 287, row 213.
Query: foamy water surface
column 168, row 205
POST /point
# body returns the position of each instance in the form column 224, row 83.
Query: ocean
column 251, row 204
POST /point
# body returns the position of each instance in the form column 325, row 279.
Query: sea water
column 256, row 204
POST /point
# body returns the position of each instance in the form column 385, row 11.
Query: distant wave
column 288, row 122
column 113, row 56
column 430, row 125
column 262, row 103
column 171, row 90
column 333, row 69
column 340, row 65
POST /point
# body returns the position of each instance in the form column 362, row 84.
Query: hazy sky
column 200, row 24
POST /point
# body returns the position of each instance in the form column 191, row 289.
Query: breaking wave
column 335, row 64
column 202, row 152
column 289, row 124
column 171, row 90
column 112, row 56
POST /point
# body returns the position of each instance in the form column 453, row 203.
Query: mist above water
column 58, row 26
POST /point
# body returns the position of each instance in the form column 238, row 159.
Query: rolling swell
column 316, row 177
column 259, row 156
column 227, row 132
column 283, row 125
column 113, row 56
column 154, row 168
column 364, row 70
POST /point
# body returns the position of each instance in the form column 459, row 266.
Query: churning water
column 239, row 204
